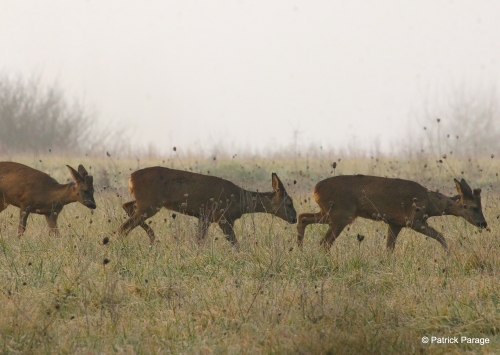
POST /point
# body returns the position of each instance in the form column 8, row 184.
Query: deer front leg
column 52, row 223
column 306, row 219
column 392, row 234
column 427, row 230
column 203, row 224
column 227, row 229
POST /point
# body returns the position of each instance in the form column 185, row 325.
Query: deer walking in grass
column 211, row 199
column 36, row 192
column 399, row 203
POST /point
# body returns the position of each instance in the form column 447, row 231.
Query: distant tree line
column 466, row 123
column 38, row 118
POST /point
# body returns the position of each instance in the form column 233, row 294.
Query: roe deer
column 211, row 199
column 399, row 203
column 36, row 192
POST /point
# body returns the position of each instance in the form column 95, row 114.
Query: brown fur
column 36, row 192
column 399, row 203
column 209, row 198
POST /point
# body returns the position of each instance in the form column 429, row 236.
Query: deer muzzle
column 90, row 204
column 482, row 224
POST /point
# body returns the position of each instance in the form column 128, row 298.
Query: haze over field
column 255, row 75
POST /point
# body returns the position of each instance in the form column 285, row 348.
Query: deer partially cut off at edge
column 34, row 191
column 209, row 198
column 399, row 203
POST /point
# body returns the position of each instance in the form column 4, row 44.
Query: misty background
column 250, row 77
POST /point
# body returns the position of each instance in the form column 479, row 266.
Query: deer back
column 19, row 182
column 195, row 194
column 21, row 185
column 370, row 197
column 175, row 189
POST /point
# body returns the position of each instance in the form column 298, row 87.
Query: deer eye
column 464, row 206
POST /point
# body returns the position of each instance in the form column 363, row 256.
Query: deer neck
column 257, row 201
column 63, row 194
column 442, row 205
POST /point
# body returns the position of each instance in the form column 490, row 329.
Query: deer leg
column 427, row 230
column 337, row 224
column 3, row 205
column 23, row 218
column 139, row 216
column 306, row 219
column 203, row 224
column 52, row 223
column 227, row 229
column 130, row 208
column 392, row 234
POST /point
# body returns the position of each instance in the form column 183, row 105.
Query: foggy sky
column 248, row 74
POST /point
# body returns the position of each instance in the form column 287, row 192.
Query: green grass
column 267, row 296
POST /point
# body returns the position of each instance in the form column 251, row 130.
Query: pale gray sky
column 194, row 74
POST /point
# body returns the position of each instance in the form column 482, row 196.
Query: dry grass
column 58, row 295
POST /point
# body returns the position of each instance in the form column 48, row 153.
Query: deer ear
column 277, row 185
column 466, row 188
column 463, row 188
column 82, row 171
column 459, row 187
column 76, row 176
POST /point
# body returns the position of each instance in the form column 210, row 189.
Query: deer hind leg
column 392, row 234
column 3, row 204
column 130, row 208
column 427, row 230
column 306, row 219
column 52, row 223
column 138, row 218
column 337, row 224
column 23, row 218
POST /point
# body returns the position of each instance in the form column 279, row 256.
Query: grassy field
column 74, row 295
